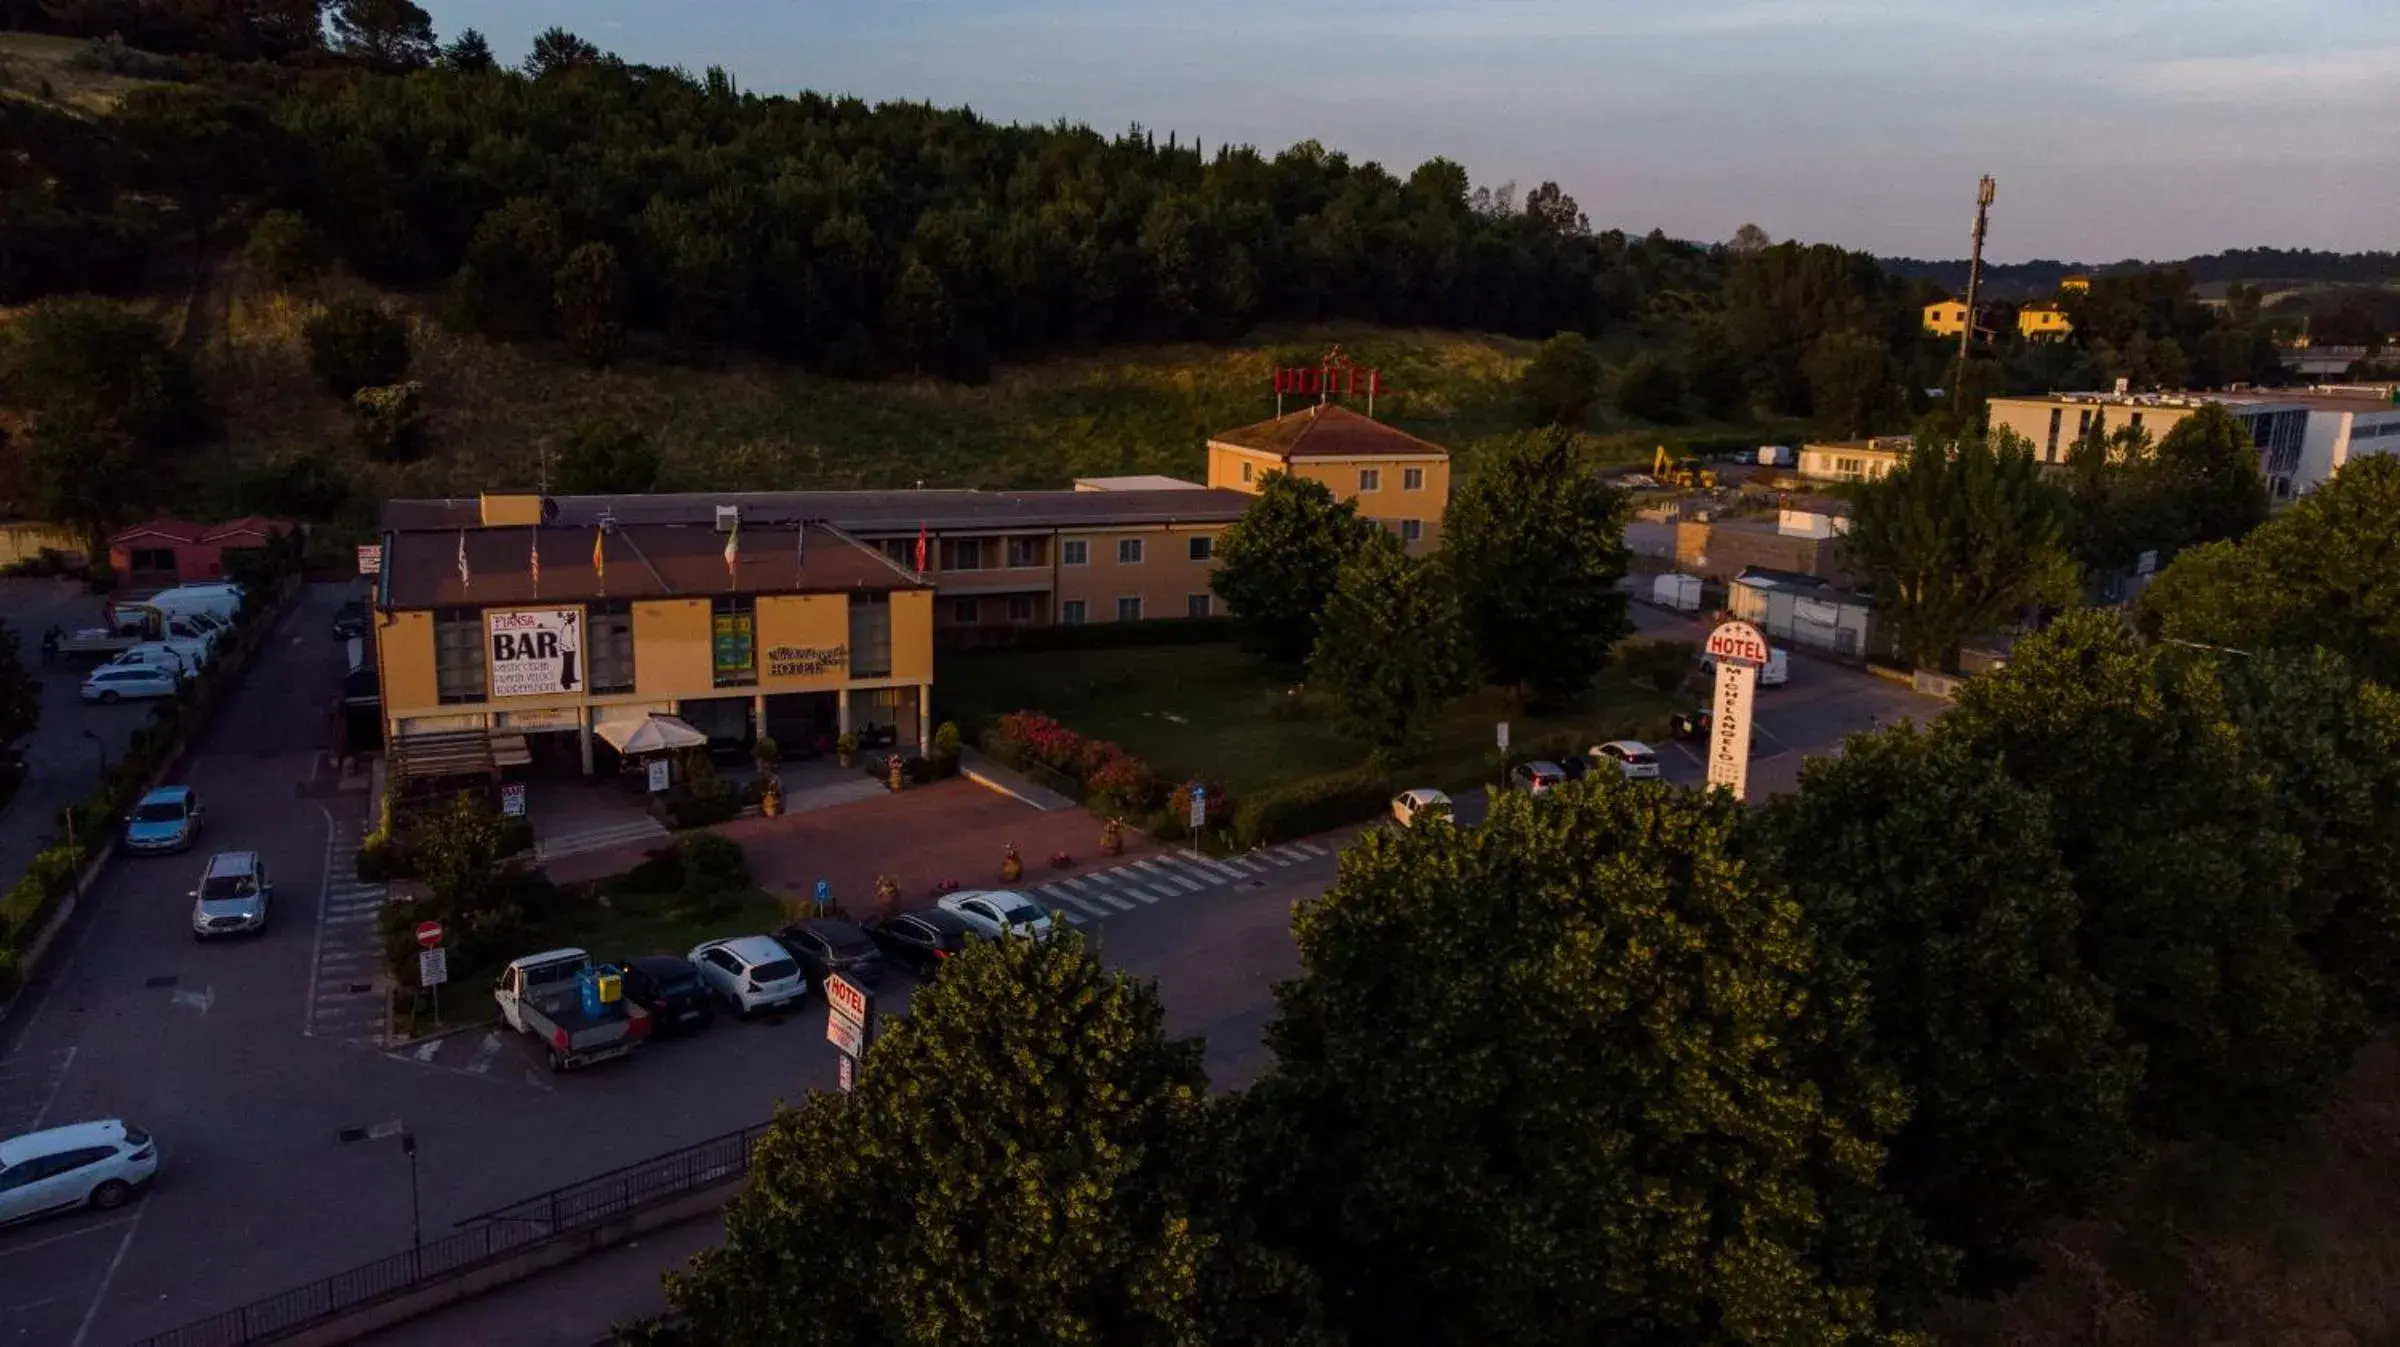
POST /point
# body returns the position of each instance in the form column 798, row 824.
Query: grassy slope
column 495, row 408
column 28, row 60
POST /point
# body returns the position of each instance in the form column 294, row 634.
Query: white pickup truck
column 540, row 997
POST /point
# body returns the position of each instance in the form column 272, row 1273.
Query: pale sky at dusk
column 2148, row 128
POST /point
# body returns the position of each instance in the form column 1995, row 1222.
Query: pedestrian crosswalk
column 348, row 1000
column 1097, row 895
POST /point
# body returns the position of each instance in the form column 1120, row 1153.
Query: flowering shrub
column 1117, row 781
column 1219, row 804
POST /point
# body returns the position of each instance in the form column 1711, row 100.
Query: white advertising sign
column 535, row 652
column 433, row 967
column 1739, row 650
column 370, row 558
column 658, row 775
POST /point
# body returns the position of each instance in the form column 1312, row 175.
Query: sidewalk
column 577, row 1305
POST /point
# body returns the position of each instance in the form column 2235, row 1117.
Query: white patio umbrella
column 653, row 734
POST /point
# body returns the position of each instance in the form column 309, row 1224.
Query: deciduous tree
column 20, row 692
column 1957, row 537
column 556, row 51
column 1026, row 1158
column 1932, row 878
column 589, row 296
column 1562, row 381
column 1535, row 543
column 388, row 35
column 1390, row 645
column 2207, row 470
column 469, row 54
column 1649, row 388
column 1547, row 1081
column 2190, row 885
column 605, row 458
column 355, row 343
column 1849, row 383
column 1277, row 565
column 286, row 248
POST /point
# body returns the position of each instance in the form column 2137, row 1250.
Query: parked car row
column 584, row 1012
column 90, row 1164
column 1629, row 758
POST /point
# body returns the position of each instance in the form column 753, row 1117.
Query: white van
column 1775, row 674
column 183, row 600
column 184, row 658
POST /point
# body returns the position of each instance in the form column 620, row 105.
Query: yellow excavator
column 1684, row 472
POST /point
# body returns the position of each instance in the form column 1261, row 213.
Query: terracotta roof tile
column 1329, row 430
column 643, row 561
column 174, row 530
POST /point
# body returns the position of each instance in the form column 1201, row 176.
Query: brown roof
column 643, row 561
column 870, row 513
column 1327, row 430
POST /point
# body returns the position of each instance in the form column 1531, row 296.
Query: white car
column 183, row 662
column 750, row 973
column 233, row 896
column 113, row 683
column 94, row 1164
column 992, row 913
column 1633, row 759
column 1776, row 672
column 1410, row 805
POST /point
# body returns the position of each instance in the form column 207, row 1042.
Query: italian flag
column 733, row 549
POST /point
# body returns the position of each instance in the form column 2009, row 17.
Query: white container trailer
column 1679, row 592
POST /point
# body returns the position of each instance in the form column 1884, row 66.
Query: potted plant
column 846, row 747
column 768, row 755
column 1012, row 866
column 895, row 773
column 1112, row 839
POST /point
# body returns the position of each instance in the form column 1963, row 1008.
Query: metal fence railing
column 483, row 1239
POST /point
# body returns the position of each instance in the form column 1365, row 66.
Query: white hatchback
column 992, row 913
column 94, row 1164
column 1632, row 758
column 111, row 683
column 1410, row 805
column 750, row 973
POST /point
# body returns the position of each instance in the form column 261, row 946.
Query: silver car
column 232, row 897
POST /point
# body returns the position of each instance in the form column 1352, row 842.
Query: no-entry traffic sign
column 429, row 935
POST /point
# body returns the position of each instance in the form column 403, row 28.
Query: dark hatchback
column 830, row 945
column 920, row 941
column 671, row 990
column 349, row 620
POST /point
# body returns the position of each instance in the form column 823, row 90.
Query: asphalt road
column 64, row 764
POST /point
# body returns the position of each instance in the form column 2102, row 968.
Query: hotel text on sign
column 1739, row 643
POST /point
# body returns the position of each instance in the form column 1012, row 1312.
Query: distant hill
column 2278, row 268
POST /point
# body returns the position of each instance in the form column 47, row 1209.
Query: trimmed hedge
column 1312, row 806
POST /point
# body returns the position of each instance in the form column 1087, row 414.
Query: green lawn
column 625, row 926
column 1210, row 711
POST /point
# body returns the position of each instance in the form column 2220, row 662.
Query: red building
column 166, row 552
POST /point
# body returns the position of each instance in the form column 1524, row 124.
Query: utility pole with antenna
column 1966, row 335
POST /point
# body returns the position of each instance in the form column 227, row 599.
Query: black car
column 1693, row 724
column 350, row 620
column 669, row 988
column 830, row 945
column 920, row 941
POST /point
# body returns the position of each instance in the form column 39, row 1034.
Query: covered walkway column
column 842, row 713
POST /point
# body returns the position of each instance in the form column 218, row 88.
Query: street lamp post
column 416, row 1227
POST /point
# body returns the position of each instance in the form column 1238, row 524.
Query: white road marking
column 1073, row 918
column 200, row 1000
column 1057, row 896
column 428, row 1048
column 1311, row 848
column 1098, row 894
column 484, row 1054
column 316, row 951
column 61, row 1239
column 58, row 1082
column 1248, row 866
column 100, row 1294
column 1182, row 881
column 1279, row 857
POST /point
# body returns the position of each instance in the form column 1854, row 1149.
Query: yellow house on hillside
column 1946, row 318
column 1398, row 480
column 2044, row 320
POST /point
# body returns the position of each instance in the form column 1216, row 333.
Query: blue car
column 167, row 819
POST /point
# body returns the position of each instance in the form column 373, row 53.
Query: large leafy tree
column 2193, row 910
column 1027, row 1158
column 1550, row 1080
column 2207, row 470
column 1277, row 565
column 1849, row 383
column 202, row 147
column 1958, row 536
column 20, row 692
column 589, row 296
column 389, row 35
column 556, row 51
column 470, row 53
column 1933, row 878
column 1562, row 381
column 2325, row 572
column 1390, row 644
column 1536, row 544
column 355, row 343
column 604, row 458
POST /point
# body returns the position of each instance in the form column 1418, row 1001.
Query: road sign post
column 1199, row 809
column 1739, row 651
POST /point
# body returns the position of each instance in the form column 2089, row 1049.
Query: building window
column 609, row 635
column 1025, row 552
column 2050, row 452
column 965, row 613
column 1020, row 608
column 870, row 636
column 1412, row 479
column 1129, row 551
column 1370, row 479
column 2137, row 421
column 902, row 551
column 1849, row 469
column 1194, row 605
column 1247, row 470
column 1412, row 530
column 1203, row 548
column 1129, row 610
column 1074, row 552
column 962, row 554
column 733, row 640
column 1070, row 613
column 458, row 654
column 152, row 558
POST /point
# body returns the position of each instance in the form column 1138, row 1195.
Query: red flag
column 920, row 549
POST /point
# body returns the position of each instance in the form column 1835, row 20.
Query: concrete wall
column 2031, row 418
column 1724, row 549
column 1163, row 579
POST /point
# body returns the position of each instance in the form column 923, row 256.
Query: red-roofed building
column 164, row 552
column 1398, row 480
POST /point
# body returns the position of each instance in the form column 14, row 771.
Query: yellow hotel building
column 1398, row 480
column 807, row 633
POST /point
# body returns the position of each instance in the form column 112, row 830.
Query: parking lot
column 63, row 761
